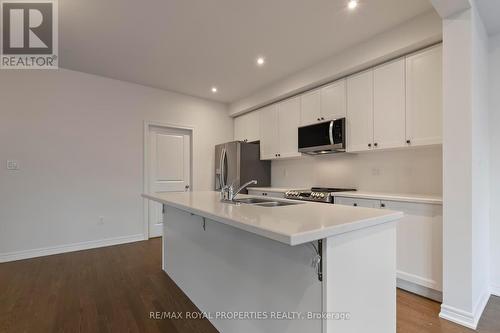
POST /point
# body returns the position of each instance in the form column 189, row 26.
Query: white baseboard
column 420, row 290
column 47, row 251
column 418, row 280
column 465, row 318
column 495, row 289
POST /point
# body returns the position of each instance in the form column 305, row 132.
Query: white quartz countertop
column 417, row 198
column 292, row 225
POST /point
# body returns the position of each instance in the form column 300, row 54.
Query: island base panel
column 360, row 279
column 224, row 269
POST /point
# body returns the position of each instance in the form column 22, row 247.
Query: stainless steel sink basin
column 278, row 203
column 264, row 202
column 251, row 201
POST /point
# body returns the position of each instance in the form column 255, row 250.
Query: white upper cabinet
column 333, row 100
column 289, row 121
column 279, row 125
column 360, row 112
column 389, row 105
column 424, row 97
column 247, row 127
column 396, row 104
column 269, row 138
column 326, row 103
column 310, row 107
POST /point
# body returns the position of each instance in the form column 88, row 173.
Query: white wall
column 465, row 169
column 79, row 140
column 494, row 71
column 417, row 33
column 480, row 163
column 401, row 171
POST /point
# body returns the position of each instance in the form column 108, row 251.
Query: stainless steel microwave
column 323, row 138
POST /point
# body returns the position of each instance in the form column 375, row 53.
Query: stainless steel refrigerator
column 238, row 162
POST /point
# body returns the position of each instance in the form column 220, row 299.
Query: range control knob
column 322, row 195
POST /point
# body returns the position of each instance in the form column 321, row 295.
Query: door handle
column 221, row 183
column 223, row 168
column 330, row 132
column 186, row 188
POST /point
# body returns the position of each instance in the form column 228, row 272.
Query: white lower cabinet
column 266, row 193
column 357, row 202
column 419, row 244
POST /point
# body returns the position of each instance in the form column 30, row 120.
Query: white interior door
column 169, row 169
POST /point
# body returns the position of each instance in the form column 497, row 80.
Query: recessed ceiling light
column 214, row 89
column 352, row 4
column 260, row 61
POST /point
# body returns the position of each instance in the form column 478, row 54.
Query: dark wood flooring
column 114, row 289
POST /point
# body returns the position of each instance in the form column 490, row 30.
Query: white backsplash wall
column 417, row 170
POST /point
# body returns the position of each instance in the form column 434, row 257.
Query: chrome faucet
column 228, row 192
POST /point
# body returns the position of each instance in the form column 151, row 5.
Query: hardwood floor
column 114, row 289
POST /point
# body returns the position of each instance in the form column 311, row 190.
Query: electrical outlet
column 101, row 220
column 12, row 165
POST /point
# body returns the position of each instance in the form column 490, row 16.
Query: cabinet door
column 419, row 244
column 357, row 202
column 389, row 105
column 289, row 121
column 269, row 141
column 310, row 107
column 247, row 127
column 424, row 97
column 333, row 100
column 239, row 128
column 252, row 126
column 360, row 112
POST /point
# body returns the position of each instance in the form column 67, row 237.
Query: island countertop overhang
column 291, row 225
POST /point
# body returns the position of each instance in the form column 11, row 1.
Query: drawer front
column 267, row 194
column 358, row 202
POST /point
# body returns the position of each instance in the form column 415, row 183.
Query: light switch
column 12, row 165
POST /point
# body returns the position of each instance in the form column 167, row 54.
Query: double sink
column 264, row 202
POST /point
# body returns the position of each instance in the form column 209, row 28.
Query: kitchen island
column 303, row 267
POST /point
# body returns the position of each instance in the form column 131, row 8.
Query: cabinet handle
column 370, row 145
column 382, row 205
column 408, row 141
column 355, row 205
column 375, row 144
column 322, row 118
column 319, row 119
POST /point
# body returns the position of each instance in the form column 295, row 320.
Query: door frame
column 145, row 188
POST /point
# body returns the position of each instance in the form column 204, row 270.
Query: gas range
column 316, row 194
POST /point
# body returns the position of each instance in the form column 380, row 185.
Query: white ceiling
column 190, row 45
column 490, row 14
